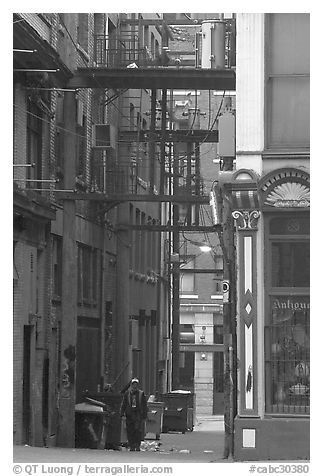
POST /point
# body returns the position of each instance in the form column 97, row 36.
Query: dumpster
column 179, row 413
column 115, row 436
column 155, row 415
column 90, row 426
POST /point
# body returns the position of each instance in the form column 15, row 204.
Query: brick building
column 88, row 308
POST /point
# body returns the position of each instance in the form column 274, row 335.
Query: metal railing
column 120, row 52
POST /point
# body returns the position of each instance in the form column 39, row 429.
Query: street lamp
column 204, row 247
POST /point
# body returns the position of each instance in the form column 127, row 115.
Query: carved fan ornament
column 290, row 194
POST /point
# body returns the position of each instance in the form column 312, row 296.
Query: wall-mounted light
column 203, row 356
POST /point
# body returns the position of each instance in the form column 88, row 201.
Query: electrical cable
column 84, row 136
column 209, row 129
column 118, row 109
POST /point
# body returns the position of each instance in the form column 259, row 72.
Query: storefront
column 272, row 227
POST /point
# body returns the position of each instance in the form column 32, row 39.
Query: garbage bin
column 90, row 426
column 179, row 413
column 154, row 423
column 112, row 401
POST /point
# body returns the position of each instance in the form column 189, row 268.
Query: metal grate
column 288, row 365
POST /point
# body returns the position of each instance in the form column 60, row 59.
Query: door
column 26, row 386
column 218, row 395
column 87, row 356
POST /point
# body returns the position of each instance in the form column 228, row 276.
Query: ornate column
column 246, row 224
column 242, row 192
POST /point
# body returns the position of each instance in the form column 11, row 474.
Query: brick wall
column 23, row 304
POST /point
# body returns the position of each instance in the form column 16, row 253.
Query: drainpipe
column 103, row 268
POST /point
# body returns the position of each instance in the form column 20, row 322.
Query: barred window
column 287, row 331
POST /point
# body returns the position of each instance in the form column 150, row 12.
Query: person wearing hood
column 134, row 408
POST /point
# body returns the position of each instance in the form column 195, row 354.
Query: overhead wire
column 210, row 129
column 123, row 115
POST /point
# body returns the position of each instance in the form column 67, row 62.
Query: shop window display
column 287, row 333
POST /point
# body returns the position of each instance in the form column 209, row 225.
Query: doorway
column 218, row 392
column 87, row 356
column 26, row 386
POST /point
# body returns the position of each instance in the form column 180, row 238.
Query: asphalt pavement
column 205, row 444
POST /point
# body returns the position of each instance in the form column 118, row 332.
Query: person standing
column 134, row 407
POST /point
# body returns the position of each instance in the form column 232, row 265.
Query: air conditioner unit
column 104, row 136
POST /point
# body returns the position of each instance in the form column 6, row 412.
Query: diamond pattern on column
column 247, row 307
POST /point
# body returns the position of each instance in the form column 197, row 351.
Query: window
column 290, row 264
column 34, row 143
column 88, row 268
column 155, row 247
column 146, row 36
column 83, row 30
column 80, row 141
column 287, row 332
column 157, row 53
column 186, row 334
column 218, row 334
column 288, row 78
column 152, row 45
column 132, row 117
column 57, row 266
column 131, row 235
column 59, row 139
column 137, row 242
column 86, row 273
column 143, row 246
column 187, row 281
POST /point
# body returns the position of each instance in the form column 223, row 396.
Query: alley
column 203, row 445
column 161, row 233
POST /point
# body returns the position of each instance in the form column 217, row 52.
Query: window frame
column 57, row 267
column 285, row 409
column 270, row 75
column 191, row 259
column 34, row 135
column 88, row 275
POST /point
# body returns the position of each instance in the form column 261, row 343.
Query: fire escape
column 122, row 63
